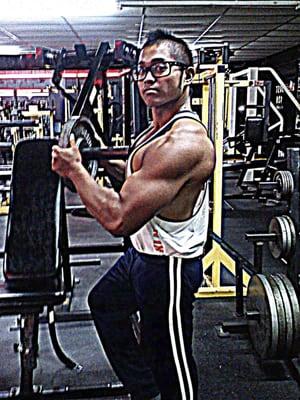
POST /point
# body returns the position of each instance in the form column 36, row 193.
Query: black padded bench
column 36, row 265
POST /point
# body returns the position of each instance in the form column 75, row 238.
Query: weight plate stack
column 285, row 317
column 285, row 182
column 275, row 330
column 295, row 309
column 263, row 331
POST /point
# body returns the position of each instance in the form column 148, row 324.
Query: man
column 163, row 206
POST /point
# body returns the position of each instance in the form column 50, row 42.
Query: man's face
column 157, row 92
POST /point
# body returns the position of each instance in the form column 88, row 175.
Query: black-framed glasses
column 158, row 69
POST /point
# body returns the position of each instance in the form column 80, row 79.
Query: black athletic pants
column 162, row 289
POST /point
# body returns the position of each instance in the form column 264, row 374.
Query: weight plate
column 288, row 325
column 278, row 246
column 288, row 189
column 292, row 234
column 278, row 178
column 264, row 332
column 85, row 134
column 291, row 185
column 285, row 183
column 281, row 346
column 286, row 236
column 293, row 298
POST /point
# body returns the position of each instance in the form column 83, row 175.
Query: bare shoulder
column 196, row 145
column 192, row 133
column 185, row 149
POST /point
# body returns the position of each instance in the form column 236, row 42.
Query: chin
column 153, row 102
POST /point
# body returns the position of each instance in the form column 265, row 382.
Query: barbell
column 281, row 237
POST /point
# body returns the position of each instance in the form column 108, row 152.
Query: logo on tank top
column 157, row 244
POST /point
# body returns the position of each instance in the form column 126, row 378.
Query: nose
column 149, row 76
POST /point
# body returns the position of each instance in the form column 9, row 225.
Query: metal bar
column 69, row 316
column 127, row 112
column 244, row 164
column 261, row 237
column 267, row 101
column 89, row 82
column 245, row 168
column 28, row 351
column 247, row 266
column 258, row 256
column 96, row 153
column 5, row 146
column 209, row 27
column 141, row 28
column 95, row 249
column 105, row 390
column 67, row 361
column 268, row 185
column 183, row 3
column 18, row 123
column 85, row 263
column 69, row 209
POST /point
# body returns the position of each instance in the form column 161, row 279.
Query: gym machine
column 30, row 305
column 266, row 131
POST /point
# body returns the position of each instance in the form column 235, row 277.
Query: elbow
column 118, row 228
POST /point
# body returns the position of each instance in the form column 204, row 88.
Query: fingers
column 55, row 151
column 72, row 140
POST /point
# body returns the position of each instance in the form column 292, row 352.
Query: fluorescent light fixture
column 42, row 9
column 14, row 50
column 182, row 3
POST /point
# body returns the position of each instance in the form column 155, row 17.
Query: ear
column 189, row 75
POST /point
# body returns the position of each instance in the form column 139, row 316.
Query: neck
column 161, row 115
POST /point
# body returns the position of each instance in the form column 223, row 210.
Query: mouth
column 150, row 91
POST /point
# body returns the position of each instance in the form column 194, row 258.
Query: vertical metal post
column 252, row 93
column 239, row 299
column 28, row 352
column 127, row 115
column 218, row 173
column 258, row 256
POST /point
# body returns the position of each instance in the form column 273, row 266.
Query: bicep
column 164, row 171
column 144, row 194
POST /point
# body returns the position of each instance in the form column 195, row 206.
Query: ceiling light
column 13, row 50
column 182, row 3
column 33, row 9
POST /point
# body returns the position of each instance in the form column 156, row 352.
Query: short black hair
column 178, row 47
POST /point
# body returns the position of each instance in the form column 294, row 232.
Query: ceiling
column 254, row 29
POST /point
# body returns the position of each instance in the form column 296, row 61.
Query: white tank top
column 160, row 236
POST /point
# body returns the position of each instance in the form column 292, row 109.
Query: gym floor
column 228, row 367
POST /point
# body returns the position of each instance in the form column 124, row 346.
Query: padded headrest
column 31, row 248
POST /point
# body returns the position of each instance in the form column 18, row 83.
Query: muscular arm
column 166, row 166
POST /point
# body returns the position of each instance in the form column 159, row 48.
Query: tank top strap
column 181, row 114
